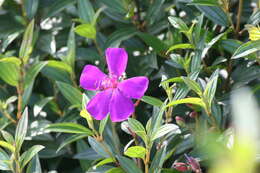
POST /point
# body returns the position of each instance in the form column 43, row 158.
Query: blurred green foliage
column 196, row 53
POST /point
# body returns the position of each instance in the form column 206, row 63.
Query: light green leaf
column 27, row 45
column 246, row 49
column 9, row 70
column 69, row 128
column 178, row 23
column 190, row 100
column 21, row 130
column 60, row 65
column 192, row 85
column 138, row 128
column 165, row 129
column 7, row 146
column 86, row 30
column 135, row 152
column 115, row 170
column 180, row 46
column 105, row 161
column 152, row 101
column 8, row 137
column 29, row 154
column 205, row 2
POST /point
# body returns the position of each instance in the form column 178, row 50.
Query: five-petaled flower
column 114, row 94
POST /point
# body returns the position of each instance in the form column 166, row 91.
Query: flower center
column 108, row 83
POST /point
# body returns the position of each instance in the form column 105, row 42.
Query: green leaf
column 59, row 65
column 115, row 39
column 128, row 165
column 165, row 129
column 21, row 130
column 8, row 137
column 115, row 6
column 190, row 100
column 154, row 9
column 82, row 146
column 246, row 49
column 192, row 85
column 180, row 46
column 115, row 170
column 86, row 11
column 31, row 7
column 152, row 101
column 138, row 128
column 27, row 45
column 205, row 2
column 210, row 44
column 135, row 152
column 158, row 160
column 102, row 125
column 86, row 30
column 29, row 154
column 10, row 70
column 57, row 7
column 178, row 23
column 69, row 128
column 7, row 146
column 37, row 108
column 34, row 165
column 99, row 148
column 105, row 161
column 211, row 87
column 71, row 139
column 159, row 46
column 215, row 14
column 230, row 45
column 4, row 159
column 73, row 95
column 71, row 53
column 33, row 72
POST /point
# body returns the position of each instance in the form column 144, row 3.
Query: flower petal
column 121, row 107
column 98, row 106
column 91, row 77
column 116, row 60
column 134, row 87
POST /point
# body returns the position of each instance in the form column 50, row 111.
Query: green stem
column 240, row 8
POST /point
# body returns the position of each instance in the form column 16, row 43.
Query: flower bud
column 194, row 164
column 180, row 121
column 182, row 167
column 193, row 114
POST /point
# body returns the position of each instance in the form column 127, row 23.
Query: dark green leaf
column 29, row 154
column 86, row 11
column 128, row 165
column 31, row 7
column 73, row 95
column 34, row 165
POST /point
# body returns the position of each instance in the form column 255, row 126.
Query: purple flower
column 114, row 94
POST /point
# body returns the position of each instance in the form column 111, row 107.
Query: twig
column 240, row 8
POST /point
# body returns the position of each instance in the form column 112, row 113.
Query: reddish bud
column 182, row 167
column 194, row 164
column 180, row 121
column 193, row 114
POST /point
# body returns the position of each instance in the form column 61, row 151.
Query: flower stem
column 146, row 161
column 240, row 8
column 20, row 91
